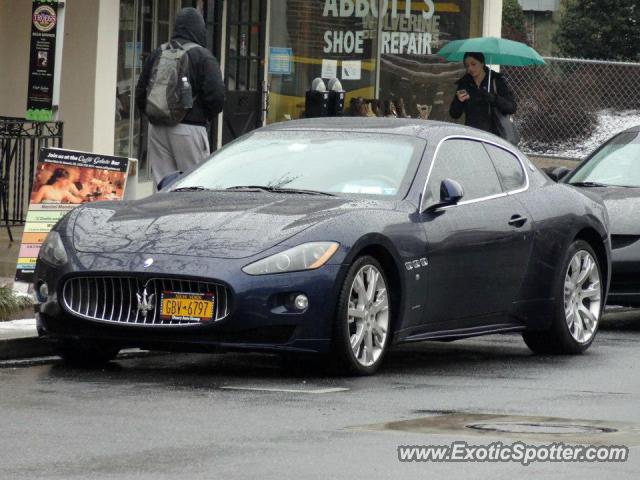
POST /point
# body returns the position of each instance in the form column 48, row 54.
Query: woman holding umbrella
column 488, row 104
column 478, row 92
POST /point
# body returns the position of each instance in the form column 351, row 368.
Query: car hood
column 623, row 205
column 203, row 224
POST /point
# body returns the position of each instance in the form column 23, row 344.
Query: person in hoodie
column 475, row 97
column 179, row 147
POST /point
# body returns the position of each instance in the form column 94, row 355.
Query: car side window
column 468, row 163
column 508, row 167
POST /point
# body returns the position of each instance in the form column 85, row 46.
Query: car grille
column 114, row 299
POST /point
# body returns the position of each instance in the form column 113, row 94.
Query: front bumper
column 257, row 319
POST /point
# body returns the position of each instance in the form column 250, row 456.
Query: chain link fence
column 569, row 106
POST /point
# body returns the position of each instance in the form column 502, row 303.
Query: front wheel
column 361, row 329
column 579, row 293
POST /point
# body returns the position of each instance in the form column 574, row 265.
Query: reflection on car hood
column 208, row 224
column 623, row 205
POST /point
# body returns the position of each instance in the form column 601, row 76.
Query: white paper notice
column 351, row 69
column 329, row 68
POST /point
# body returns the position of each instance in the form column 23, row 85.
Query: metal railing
column 569, row 106
column 20, row 144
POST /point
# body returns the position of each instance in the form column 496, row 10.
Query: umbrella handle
column 489, row 83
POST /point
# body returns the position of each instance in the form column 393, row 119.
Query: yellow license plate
column 187, row 306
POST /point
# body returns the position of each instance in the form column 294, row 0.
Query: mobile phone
column 462, row 92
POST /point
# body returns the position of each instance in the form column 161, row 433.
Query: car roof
column 425, row 129
column 634, row 129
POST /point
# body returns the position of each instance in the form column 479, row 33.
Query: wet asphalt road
column 188, row 416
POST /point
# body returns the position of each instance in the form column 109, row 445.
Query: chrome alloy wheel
column 582, row 296
column 368, row 315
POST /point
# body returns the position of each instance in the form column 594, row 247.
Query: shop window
column 144, row 25
column 410, row 71
column 389, row 49
column 315, row 39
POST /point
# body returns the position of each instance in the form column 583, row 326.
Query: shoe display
column 402, row 111
column 357, row 107
column 364, row 109
column 424, row 111
column 370, row 112
column 377, row 108
column 394, row 110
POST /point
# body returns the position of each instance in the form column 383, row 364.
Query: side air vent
column 622, row 241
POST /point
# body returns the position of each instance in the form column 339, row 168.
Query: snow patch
column 610, row 123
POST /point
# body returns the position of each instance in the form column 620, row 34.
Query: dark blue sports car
column 338, row 237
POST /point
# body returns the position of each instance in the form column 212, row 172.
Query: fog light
column 301, row 302
column 43, row 291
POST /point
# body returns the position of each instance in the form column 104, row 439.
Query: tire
column 87, row 354
column 578, row 307
column 370, row 328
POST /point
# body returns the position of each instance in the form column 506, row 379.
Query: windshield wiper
column 280, row 190
column 300, row 190
column 589, row 184
column 190, row 189
column 249, row 188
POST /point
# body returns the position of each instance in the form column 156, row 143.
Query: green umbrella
column 497, row 51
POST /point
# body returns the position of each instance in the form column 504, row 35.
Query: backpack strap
column 171, row 44
column 187, row 46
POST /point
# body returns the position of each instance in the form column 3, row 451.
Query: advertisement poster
column 280, row 61
column 44, row 20
column 351, row 69
column 63, row 180
column 329, row 68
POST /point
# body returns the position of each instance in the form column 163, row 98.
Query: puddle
column 544, row 428
column 513, row 427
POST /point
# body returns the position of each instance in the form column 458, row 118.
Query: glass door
column 144, row 25
column 244, row 67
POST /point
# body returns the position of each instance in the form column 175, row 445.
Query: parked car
column 338, row 237
column 613, row 173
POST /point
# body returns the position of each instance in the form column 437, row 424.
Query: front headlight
column 52, row 250
column 307, row 256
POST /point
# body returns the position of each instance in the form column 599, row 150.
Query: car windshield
column 617, row 163
column 329, row 162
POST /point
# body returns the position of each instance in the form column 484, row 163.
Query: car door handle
column 517, row 221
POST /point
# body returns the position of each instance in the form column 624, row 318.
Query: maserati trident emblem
column 148, row 262
column 145, row 303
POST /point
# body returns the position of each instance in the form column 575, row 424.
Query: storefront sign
column 404, row 32
column 63, row 180
column 44, row 20
column 280, row 61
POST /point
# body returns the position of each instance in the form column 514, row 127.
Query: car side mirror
column 168, row 180
column 558, row 173
column 451, row 192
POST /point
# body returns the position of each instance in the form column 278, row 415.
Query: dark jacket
column 204, row 72
column 477, row 109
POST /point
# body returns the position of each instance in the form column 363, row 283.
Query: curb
column 26, row 347
column 19, row 339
